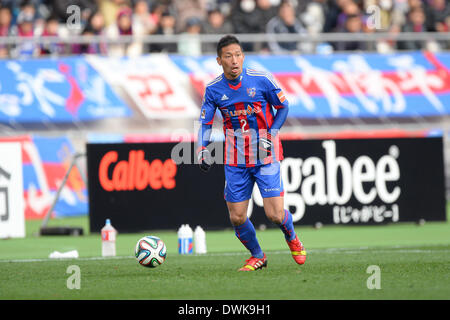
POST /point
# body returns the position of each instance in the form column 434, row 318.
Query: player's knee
column 237, row 219
column 276, row 216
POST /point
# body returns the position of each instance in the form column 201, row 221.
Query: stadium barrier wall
column 89, row 88
column 12, row 220
column 155, row 186
column 45, row 161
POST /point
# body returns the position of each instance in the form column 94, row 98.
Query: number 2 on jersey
column 244, row 125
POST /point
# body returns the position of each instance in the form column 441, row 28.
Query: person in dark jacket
column 251, row 16
column 284, row 22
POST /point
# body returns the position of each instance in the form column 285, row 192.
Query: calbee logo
column 135, row 173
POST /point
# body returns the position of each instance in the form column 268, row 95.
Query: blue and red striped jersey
column 247, row 105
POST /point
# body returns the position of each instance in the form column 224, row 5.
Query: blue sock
column 287, row 226
column 247, row 235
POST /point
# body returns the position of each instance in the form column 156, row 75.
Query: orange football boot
column 297, row 250
column 253, row 264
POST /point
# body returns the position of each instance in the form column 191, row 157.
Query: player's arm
column 204, row 133
column 276, row 98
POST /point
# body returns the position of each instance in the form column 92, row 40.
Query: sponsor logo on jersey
column 245, row 112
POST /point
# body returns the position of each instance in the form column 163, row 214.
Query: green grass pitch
column 413, row 262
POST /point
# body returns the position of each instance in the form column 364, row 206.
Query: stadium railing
column 258, row 38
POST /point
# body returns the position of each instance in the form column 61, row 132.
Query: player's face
column 231, row 59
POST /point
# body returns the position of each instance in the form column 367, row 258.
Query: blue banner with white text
column 347, row 85
column 56, row 90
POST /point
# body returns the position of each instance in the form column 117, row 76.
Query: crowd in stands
column 191, row 18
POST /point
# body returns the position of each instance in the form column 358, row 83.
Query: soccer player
column 252, row 153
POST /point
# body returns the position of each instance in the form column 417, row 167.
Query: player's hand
column 204, row 159
column 266, row 144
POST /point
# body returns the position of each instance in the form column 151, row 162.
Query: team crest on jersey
column 251, row 92
column 203, row 113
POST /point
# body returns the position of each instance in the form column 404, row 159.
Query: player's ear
column 219, row 61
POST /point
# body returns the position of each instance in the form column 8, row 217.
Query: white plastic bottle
column 199, row 240
column 108, row 240
column 185, row 243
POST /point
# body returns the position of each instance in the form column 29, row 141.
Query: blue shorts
column 239, row 182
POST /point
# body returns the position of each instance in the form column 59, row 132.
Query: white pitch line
column 66, row 259
column 396, row 249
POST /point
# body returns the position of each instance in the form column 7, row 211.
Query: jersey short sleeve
column 274, row 95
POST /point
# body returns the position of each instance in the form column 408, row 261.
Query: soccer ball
column 150, row 251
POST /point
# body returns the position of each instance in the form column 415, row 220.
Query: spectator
column 189, row 43
column 88, row 47
column 224, row 6
column 415, row 23
column 28, row 7
column 143, row 18
column 187, row 9
column 96, row 22
column 156, row 11
column 143, row 23
column 5, row 21
column 251, row 16
column 285, row 22
column 264, row 11
column 398, row 12
column 5, row 29
column 348, row 8
column 444, row 27
column 314, row 16
column 353, row 24
column 436, row 13
column 51, row 29
column 125, row 27
column 95, row 26
column 166, row 26
column 110, row 10
column 216, row 24
column 25, row 29
column 399, row 17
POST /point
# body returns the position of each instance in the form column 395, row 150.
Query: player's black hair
column 225, row 41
